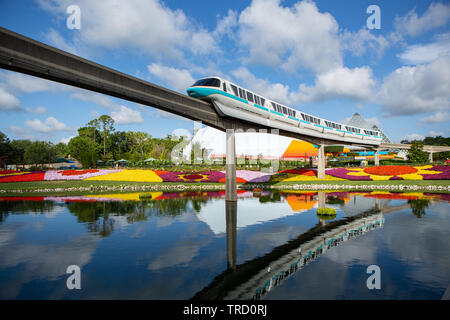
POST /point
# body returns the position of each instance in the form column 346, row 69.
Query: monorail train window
column 224, row 87
column 250, row 96
column 293, row 112
column 257, row 99
column 235, row 90
column 263, row 101
column 303, row 116
column 241, row 93
column 209, row 82
column 274, row 106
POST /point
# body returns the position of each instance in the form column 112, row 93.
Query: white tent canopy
column 247, row 143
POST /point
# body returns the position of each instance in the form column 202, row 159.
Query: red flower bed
column 390, row 170
column 21, row 198
column 238, row 180
column 392, row 196
column 158, row 172
column 35, row 176
column 303, row 172
column 77, row 172
column 8, row 171
column 193, row 176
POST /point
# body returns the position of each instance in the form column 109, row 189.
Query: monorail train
column 231, row 100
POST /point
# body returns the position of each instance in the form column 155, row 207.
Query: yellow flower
column 300, row 177
column 125, row 196
column 129, row 175
column 363, row 172
column 14, row 173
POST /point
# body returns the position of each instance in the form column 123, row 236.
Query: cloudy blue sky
column 317, row 56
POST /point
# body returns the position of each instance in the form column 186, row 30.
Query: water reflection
column 186, row 245
column 254, row 279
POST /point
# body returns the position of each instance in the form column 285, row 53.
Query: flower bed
column 137, row 175
column 294, row 175
column 443, row 175
column 26, row 177
column 207, row 176
column 77, row 174
column 428, row 172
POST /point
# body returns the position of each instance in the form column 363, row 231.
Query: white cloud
column 291, row 37
column 94, row 114
column 354, row 84
column 51, row 124
column 301, row 37
column 22, row 83
column 435, row 133
column 38, row 110
column 126, row 116
column 20, row 132
column 418, row 89
column 373, row 121
column 66, row 140
column 55, row 39
column 438, row 117
column 437, row 15
column 97, row 98
column 358, row 43
column 226, row 24
column 274, row 91
column 8, row 102
column 149, row 26
column 414, row 136
column 176, row 79
column 418, row 136
column 417, row 54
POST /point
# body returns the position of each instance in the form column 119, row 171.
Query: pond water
column 271, row 245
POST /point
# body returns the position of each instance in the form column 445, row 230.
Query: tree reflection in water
column 418, row 206
column 38, row 206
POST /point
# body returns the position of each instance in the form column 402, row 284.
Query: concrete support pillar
column 322, row 199
column 230, row 176
column 321, row 162
column 231, row 226
column 430, row 157
column 377, row 158
column 378, row 203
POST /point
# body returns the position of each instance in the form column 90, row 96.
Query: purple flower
column 344, row 174
column 445, row 175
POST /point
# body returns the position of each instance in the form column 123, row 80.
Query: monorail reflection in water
column 253, row 268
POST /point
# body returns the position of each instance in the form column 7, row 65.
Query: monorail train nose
column 194, row 92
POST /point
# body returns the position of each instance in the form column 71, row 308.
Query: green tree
column 120, row 144
column 107, row 126
column 6, row 149
column 40, row 152
column 141, row 140
column 416, row 153
column 19, row 147
column 61, row 149
column 84, row 149
column 94, row 125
